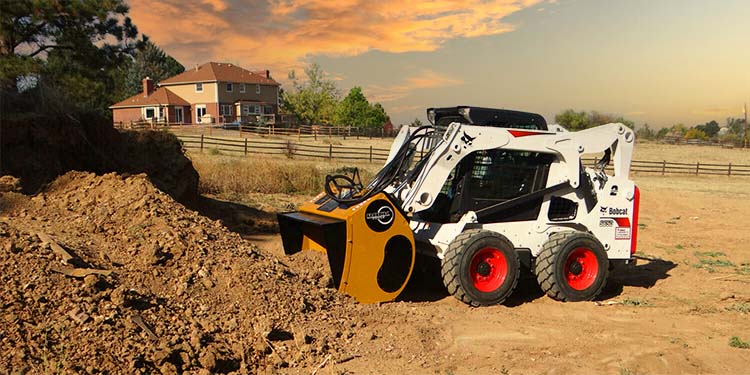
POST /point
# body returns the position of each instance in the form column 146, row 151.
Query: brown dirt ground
column 673, row 314
column 217, row 302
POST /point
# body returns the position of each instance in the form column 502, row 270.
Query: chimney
column 196, row 67
column 148, row 87
column 268, row 74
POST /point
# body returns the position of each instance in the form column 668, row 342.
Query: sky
column 659, row 62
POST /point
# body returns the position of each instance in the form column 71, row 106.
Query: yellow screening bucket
column 369, row 245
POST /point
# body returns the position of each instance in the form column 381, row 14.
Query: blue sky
column 661, row 62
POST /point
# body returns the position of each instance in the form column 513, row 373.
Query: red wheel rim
column 581, row 268
column 488, row 269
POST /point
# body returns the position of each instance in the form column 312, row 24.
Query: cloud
column 426, row 79
column 281, row 34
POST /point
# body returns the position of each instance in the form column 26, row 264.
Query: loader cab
column 488, row 177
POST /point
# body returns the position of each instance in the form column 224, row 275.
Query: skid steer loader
column 490, row 192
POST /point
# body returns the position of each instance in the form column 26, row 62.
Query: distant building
column 212, row 92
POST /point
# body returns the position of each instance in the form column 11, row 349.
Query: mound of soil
column 107, row 274
column 39, row 149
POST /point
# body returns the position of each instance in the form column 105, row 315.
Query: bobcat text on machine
column 490, row 192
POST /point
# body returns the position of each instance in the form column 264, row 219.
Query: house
column 209, row 93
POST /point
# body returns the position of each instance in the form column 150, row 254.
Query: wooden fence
column 289, row 149
column 246, row 146
column 300, row 131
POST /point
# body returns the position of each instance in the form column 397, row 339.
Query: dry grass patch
column 241, row 176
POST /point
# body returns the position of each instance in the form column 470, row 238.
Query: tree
column 354, row 110
column 29, row 30
column 711, row 128
column 416, row 123
column 573, row 120
column 377, row 117
column 662, row 133
column 645, row 132
column 314, row 100
column 150, row 61
column 736, row 125
column 678, row 129
column 357, row 112
column 695, row 133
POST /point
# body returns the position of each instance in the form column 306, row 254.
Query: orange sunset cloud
column 280, row 34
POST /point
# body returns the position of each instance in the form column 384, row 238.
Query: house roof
column 214, row 71
column 162, row 96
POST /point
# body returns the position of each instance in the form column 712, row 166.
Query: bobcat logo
column 467, row 139
column 603, row 210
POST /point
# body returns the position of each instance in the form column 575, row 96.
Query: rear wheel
column 572, row 266
column 480, row 267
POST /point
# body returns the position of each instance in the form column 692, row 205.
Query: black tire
column 556, row 268
column 473, row 283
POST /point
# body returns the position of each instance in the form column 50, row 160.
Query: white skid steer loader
column 490, row 192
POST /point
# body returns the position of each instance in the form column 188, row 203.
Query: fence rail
column 299, row 131
column 290, row 149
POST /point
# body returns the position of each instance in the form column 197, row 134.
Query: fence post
column 697, row 167
column 729, row 170
column 330, row 152
column 370, row 153
column 201, row 142
column 663, row 167
column 299, row 134
column 246, row 146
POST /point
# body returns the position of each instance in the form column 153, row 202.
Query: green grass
column 709, row 259
column 741, row 307
column 737, row 342
column 712, row 254
column 679, row 247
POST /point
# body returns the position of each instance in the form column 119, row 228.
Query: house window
column 199, row 87
column 161, row 112
column 257, row 89
column 245, row 109
column 267, row 109
column 256, row 109
column 230, row 87
column 149, row 113
column 242, row 87
column 226, row 109
column 200, row 111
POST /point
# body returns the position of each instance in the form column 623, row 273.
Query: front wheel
column 480, row 268
column 572, row 266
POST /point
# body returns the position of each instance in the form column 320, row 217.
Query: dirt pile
column 40, row 148
column 108, row 274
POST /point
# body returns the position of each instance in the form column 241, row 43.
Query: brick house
column 209, row 93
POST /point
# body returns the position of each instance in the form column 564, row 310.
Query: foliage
column 314, row 100
column 62, row 50
column 737, row 342
column 417, row 122
column 356, row 111
column 710, row 129
column 661, row 133
column 645, row 132
column 678, row 129
column 148, row 61
column 574, row 121
column 695, row 133
column 736, row 125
